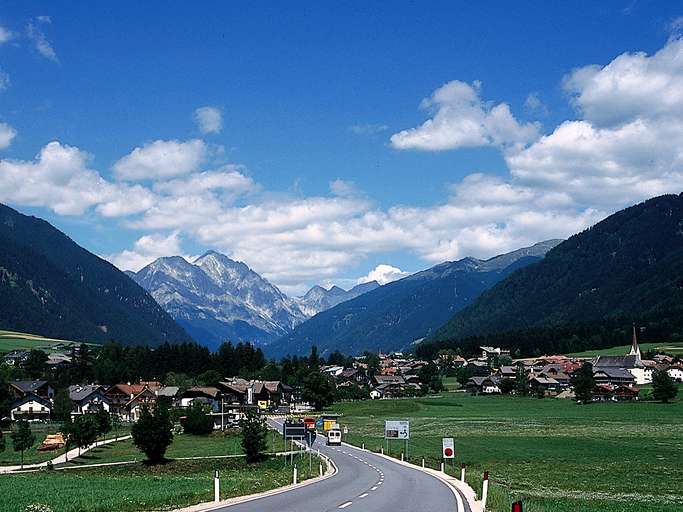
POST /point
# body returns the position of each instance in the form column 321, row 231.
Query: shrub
column 254, row 437
column 197, row 422
column 153, row 434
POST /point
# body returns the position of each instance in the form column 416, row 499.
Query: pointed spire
column 635, row 349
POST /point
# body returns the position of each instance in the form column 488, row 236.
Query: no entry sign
column 448, row 448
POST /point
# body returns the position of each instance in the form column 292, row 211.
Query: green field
column 136, row 487
column 555, row 455
column 32, row 456
column 673, row 348
column 10, row 340
column 184, row 445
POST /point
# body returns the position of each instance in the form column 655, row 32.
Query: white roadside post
column 462, row 472
column 216, row 488
column 320, row 469
column 294, row 479
column 363, row 447
column 401, row 456
column 443, row 468
column 485, row 489
column 423, row 462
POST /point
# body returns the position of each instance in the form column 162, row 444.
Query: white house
column 30, row 407
column 90, row 398
column 676, row 372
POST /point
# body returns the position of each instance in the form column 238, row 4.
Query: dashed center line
column 363, row 495
column 346, row 504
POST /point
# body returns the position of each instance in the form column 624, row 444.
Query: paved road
column 365, row 482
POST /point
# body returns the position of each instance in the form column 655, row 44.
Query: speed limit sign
column 448, row 448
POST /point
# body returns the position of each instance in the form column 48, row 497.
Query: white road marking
column 374, row 488
column 346, row 504
column 363, row 495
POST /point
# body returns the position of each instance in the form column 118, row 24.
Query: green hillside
column 10, row 340
column 52, row 286
column 588, row 290
column 671, row 348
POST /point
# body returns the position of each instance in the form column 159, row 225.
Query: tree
column 663, row 386
column 103, row 421
column 209, row 378
column 584, row 383
column 36, row 363
column 22, row 439
column 313, row 359
column 430, row 377
column 372, row 360
column 153, row 434
column 521, row 382
column 63, row 404
column 318, row 391
column 197, row 422
column 506, row 386
column 254, row 437
column 84, row 431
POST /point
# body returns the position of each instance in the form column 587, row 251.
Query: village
column 382, row 376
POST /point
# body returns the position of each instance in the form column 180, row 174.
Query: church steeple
column 635, row 349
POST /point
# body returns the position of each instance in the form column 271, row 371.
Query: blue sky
column 318, row 167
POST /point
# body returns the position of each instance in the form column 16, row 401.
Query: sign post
column 448, row 449
column 397, row 429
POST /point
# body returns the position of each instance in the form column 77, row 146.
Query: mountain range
column 393, row 316
column 588, row 290
column 51, row 286
column 216, row 299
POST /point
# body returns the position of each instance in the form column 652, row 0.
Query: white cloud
column 161, row 159
column 383, row 274
column 534, row 105
column 38, row 38
column 229, row 179
column 368, row 129
column 7, row 134
column 632, row 86
column 5, row 35
column 59, row 179
column 343, row 188
column 147, row 249
column 462, row 119
column 209, row 119
column 4, row 80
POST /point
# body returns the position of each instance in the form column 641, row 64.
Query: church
column 631, row 363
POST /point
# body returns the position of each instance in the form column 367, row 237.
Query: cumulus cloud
column 208, row 119
column 36, row 35
column 559, row 183
column 460, row 119
column 7, row 134
column 147, row 249
column 59, row 179
column 161, row 159
column 632, row 86
column 383, row 274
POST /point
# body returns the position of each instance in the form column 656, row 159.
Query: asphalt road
column 365, row 482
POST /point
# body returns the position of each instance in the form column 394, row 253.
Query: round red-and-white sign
column 448, row 452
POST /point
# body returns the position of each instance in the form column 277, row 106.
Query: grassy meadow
column 553, row 454
column 674, row 348
column 137, row 487
column 10, row 340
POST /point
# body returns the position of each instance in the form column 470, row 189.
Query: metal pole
column 222, row 413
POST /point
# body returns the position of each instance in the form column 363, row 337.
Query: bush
column 197, row 422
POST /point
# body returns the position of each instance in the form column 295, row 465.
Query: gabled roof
column 78, row 393
column 630, row 361
column 28, row 386
column 31, row 397
column 615, row 373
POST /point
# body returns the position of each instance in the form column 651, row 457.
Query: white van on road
column 334, row 437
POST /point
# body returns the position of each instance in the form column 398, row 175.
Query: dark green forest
column 587, row 291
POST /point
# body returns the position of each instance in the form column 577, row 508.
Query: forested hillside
column 51, row 286
column 587, row 290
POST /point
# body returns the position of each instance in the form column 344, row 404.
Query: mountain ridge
column 394, row 315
